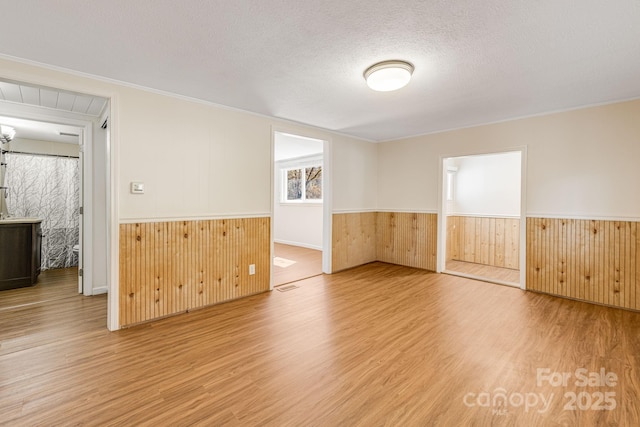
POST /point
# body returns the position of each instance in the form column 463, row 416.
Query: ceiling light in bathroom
column 6, row 133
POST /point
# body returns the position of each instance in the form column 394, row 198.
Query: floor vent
column 286, row 288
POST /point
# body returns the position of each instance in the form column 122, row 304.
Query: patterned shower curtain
column 47, row 187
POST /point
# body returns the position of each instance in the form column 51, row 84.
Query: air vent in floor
column 286, row 288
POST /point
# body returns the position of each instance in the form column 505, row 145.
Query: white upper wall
column 487, row 185
column 44, row 147
column 355, row 175
column 194, row 159
column 287, row 146
column 580, row 163
column 200, row 160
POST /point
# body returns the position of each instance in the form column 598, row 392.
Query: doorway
column 60, row 133
column 298, row 207
column 482, row 203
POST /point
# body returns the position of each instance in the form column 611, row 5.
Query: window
column 451, row 183
column 303, row 184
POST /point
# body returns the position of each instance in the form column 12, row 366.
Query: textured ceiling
column 476, row 61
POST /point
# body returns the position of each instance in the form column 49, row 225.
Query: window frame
column 284, row 166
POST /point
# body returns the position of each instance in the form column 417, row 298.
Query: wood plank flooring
column 375, row 345
column 52, row 285
column 487, row 271
column 41, row 315
column 308, row 263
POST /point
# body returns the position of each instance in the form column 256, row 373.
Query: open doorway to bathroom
column 482, row 209
column 298, row 207
column 54, row 172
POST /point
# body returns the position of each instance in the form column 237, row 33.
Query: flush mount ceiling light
column 6, row 133
column 388, row 75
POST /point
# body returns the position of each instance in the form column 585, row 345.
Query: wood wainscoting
column 353, row 240
column 591, row 260
column 408, row 239
column 484, row 240
column 172, row 267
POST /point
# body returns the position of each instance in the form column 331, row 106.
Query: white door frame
column 113, row 227
column 81, row 287
column 442, row 220
column 327, row 205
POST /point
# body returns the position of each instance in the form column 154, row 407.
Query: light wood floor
column 51, row 285
column 486, row 271
column 308, row 264
column 375, row 345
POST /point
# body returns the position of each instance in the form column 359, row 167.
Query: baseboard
column 100, row 290
column 302, row 245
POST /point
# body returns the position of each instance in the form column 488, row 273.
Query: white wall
column 287, row 146
column 580, row 163
column 44, row 147
column 219, row 164
column 298, row 225
column 355, row 175
column 487, row 185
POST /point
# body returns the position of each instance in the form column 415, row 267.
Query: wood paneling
column 591, row 260
column 484, row 240
column 378, row 345
column 353, row 240
column 173, row 267
column 408, row 239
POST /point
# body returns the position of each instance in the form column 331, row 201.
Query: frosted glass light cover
column 389, row 75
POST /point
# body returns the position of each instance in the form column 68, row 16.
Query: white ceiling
column 475, row 61
column 56, row 99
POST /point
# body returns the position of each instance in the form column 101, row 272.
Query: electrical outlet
column 252, row 269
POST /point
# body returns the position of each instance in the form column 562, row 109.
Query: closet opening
column 482, row 212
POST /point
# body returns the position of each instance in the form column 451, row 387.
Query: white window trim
column 298, row 163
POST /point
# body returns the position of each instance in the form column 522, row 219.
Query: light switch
column 137, row 188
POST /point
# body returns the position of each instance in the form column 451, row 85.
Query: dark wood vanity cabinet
column 20, row 253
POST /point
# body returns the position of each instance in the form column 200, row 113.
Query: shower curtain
column 47, row 187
